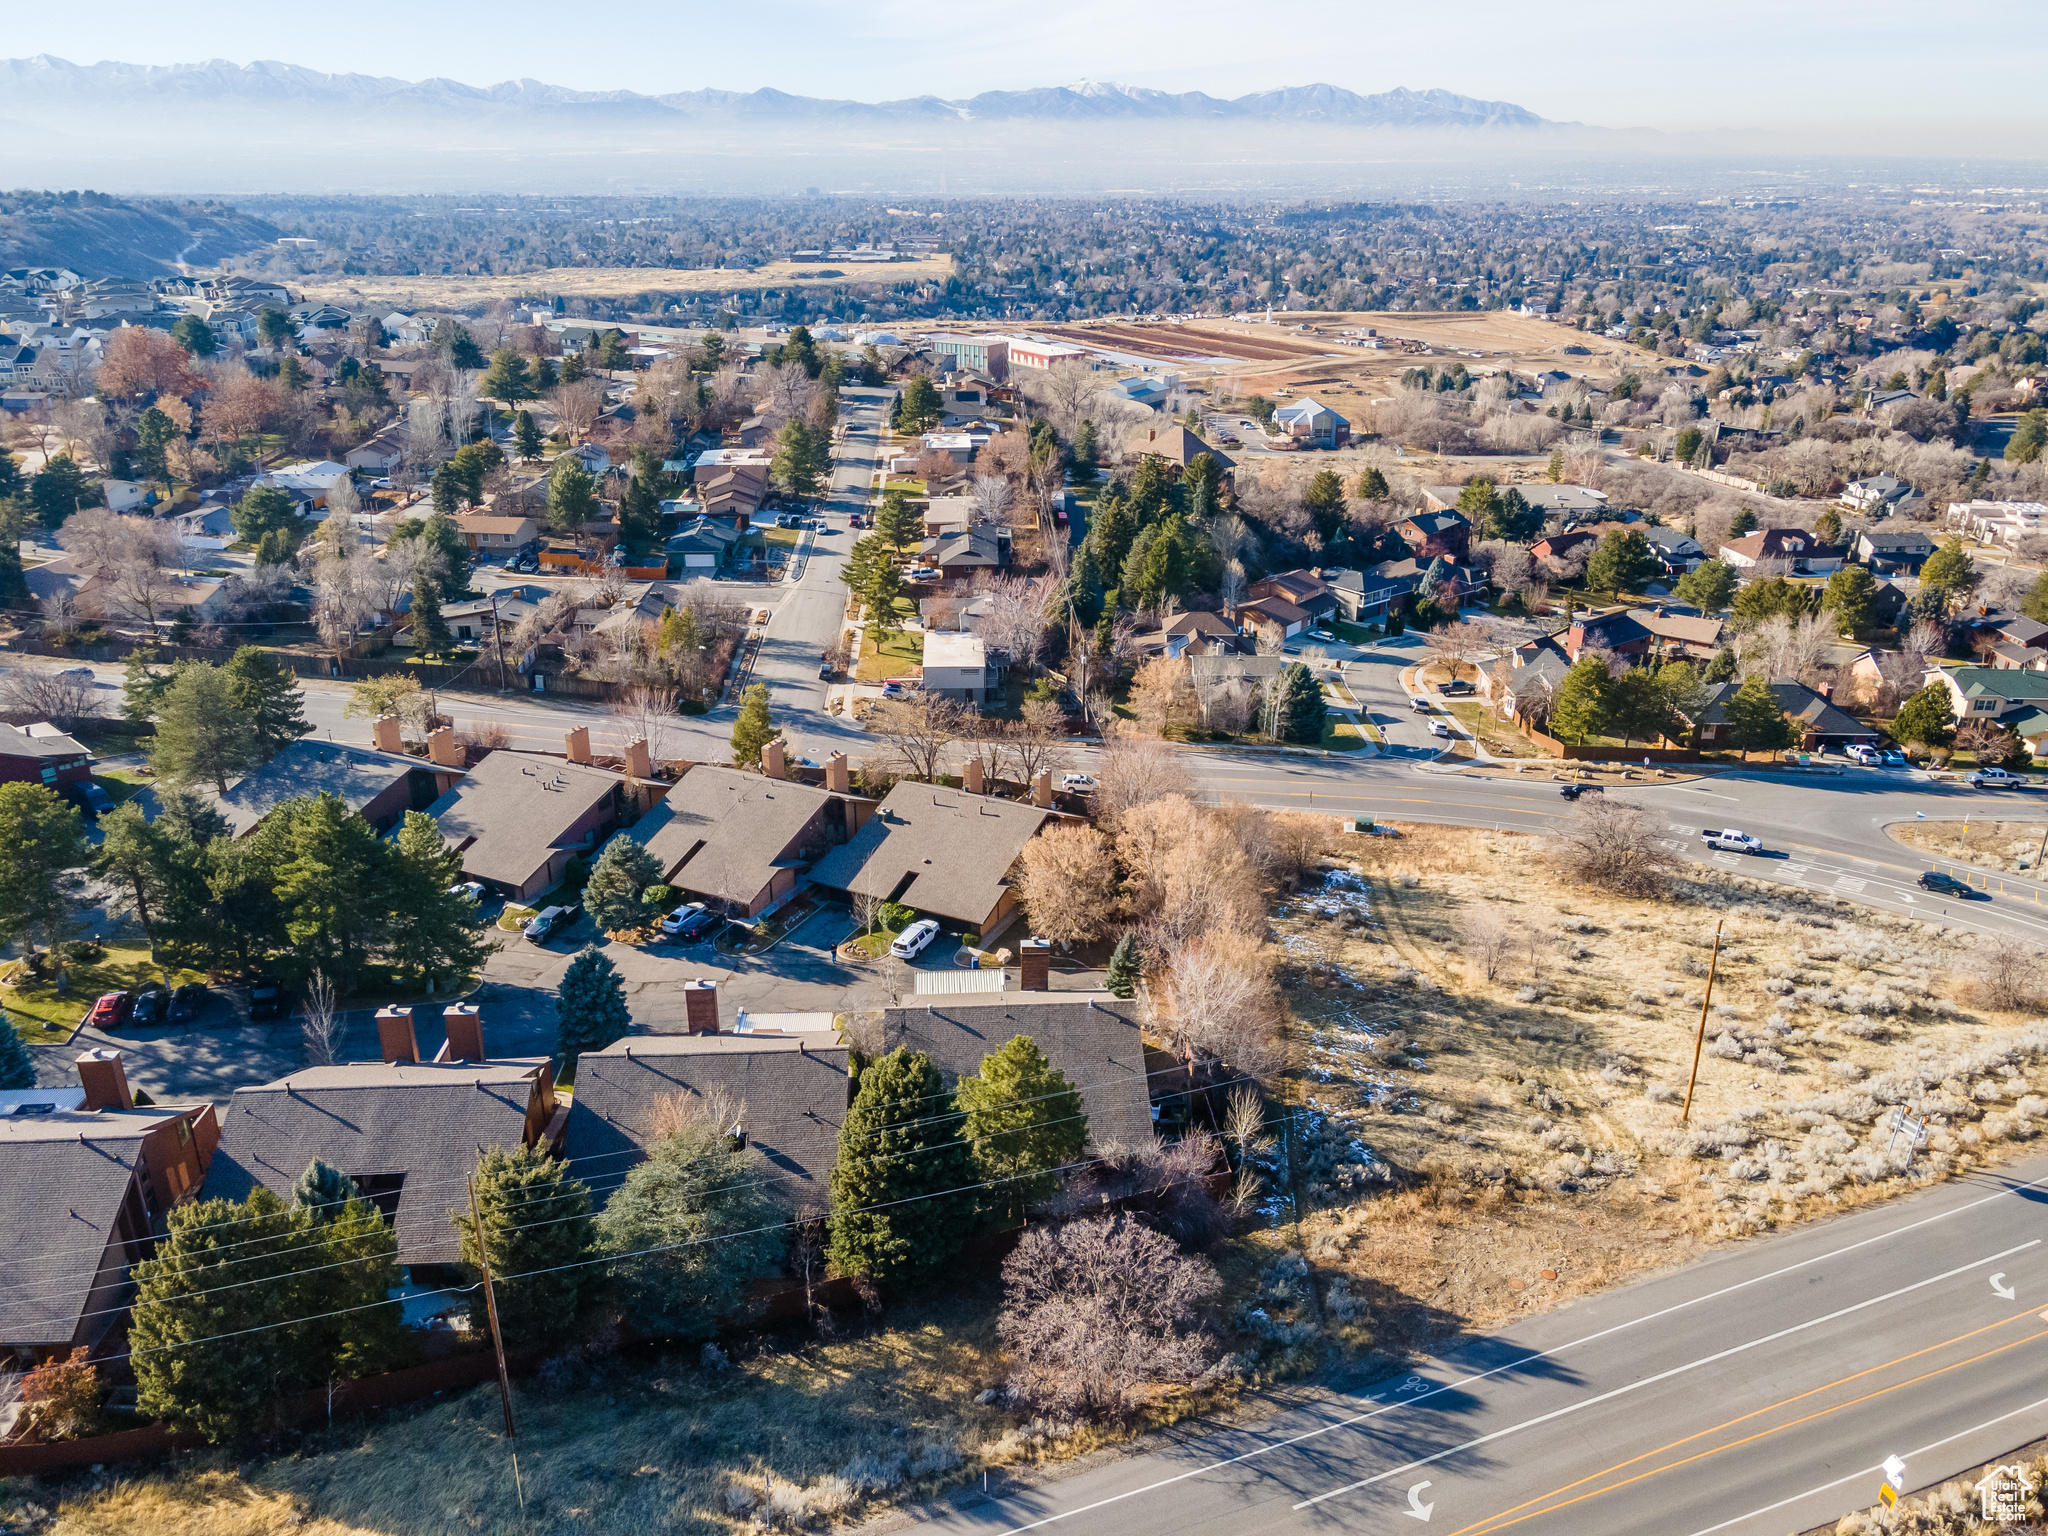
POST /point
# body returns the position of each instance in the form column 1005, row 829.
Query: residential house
column 487, row 534
column 1271, row 621
column 967, row 551
column 1527, row 687
column 1876, row 494
column 1179, row 447
column 1426, row 576
column 406, row 1131
column 1999, row 522
column 1616, row 631
column 947, row 514
column 1892, row 548
column 754, row 432
column 737, row 491
column 1430, row 534
column 42, row 754
column 207, row 599
column 308, row 480
column 1557, row 546
column 518, row 819
column 378, row 455
column 1307, row 590
column 1679, row 551
column 1816, row 722
column 1551, row 500
column 1198, row 634
column 743, row 841
column 1363, row 597
column 704, row 545
column 956, row 666
column 2012, row 696
column 87, row 1180
column 378, row 786
column 1688, row 636
column 946, row 853
column 1312, row 424
column 1798, row 550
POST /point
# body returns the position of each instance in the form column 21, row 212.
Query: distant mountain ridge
column 268, row 85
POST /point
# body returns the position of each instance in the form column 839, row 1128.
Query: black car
column 1573, row 791
column 89, row 798
column 150, row 1004
column 187, row 1001
column 268, row 1000
column 1948, row 885
column 1455, row 686
column 824, row 671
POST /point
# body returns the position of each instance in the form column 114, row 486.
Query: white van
column 911, row 942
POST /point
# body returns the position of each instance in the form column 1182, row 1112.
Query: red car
column 110, row 1010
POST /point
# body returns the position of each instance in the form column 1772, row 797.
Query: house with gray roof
column 1892, row 547
column 1815, row 721
column 87, row 1180
column 964, row 551
column 946, row 853
column 42, row 754
column 378, row 786
column 518, row 818
column 407, row 1131
column 743, row 842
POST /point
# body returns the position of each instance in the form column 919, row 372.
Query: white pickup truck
column 1731, row 841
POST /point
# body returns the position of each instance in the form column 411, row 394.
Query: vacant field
column 2009, row 847
column 611, row 282
column 1534, row 1113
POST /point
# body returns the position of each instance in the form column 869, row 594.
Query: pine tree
column 754, row 729
column 1622, row 562
column 640, row 509
column 1555, row 471
column 572, row 495
column 526, row 436
column 1298, row 711
column 1744, row 521
column 590, row 1006
column 17, row 1067
column 898, row 521
column 269, row 695
column 536, row 1220
column 1581, row 707
column 1928, row 717
column 324, row 1190
column 1850, row 593
column 1372, row 485
column 1949, row 570
column 902, row 1188
column 1125, row 968
column 1756, row 718
column 1024, row 1121
column 612, row 895
column 202, row 734
column 429, row 630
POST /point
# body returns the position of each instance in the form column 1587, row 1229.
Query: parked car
column 473, row 889
column 1573, row 791
column 688, row 921
column 1439, row 728
column 1860, row 752
column 824, row 671
column 895, row 691
column 911, row 942
column 1456, row 686
column 1891, row 757
column 1731, row 841
column 1948, row 885
column 1422, row 706
column 187, row 1001
column 111, row 1009
column 149, row 1004
column 1997, row 778
column 89, row 798
column 268, row 1000
column 1077, row 783
column 545, row 923
column 83, row 673
column 924, row 573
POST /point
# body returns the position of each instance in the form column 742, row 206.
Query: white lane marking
column 1796, row 871
column 1534, row 1356
column 1850, row 883
column 1647, row 1381
column 1872, row 1471
column 1681, row 831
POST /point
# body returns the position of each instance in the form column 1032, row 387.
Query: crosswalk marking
column 1850, row 883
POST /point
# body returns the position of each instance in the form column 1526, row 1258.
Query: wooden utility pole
column 1699, row 1040
column 483, row 1256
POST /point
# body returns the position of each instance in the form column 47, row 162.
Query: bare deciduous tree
column 991, row 497
column 919, row 730
column 1613, row 845
column 1068, row 884
column 32, row 693
column 2010, row 973
column 1135, row 771
column 649, row 711
column 1213, row 999
column 577, row 405
column 1014, row 617
column 320, row 1022
column 1487, row 937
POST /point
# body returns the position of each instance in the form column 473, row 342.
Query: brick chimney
column 578, row 744
column 442, row 751
column 775, row 760
column 104, row 1080
column 465, row 1033
column 700, row 1006
column 837, row 780
column 971, row 777
column 1041, row 790
column 638, row 762
column 395, row 1038
column 385, row 734
column 1034, row 962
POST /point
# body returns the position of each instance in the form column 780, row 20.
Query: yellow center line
column 1502, row 1522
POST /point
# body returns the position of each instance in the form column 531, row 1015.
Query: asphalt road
column 1758, row 1392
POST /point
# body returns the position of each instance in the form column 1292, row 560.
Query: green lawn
column 874, row 945
column 513, row 918
column 787, row 537
column 42, row 1017
column 1341, row 736
column 912, row 487
column 1350, row 634
column 898, row 656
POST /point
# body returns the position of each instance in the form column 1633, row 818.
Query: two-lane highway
column 1758, row 1392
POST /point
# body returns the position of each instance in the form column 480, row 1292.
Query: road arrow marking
column 1416, row 1507
column 1998, row 1285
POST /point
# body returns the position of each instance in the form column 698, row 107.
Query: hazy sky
column 1737, row 64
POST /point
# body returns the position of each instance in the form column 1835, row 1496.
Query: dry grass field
column 1534, row 1112
column 2009, row 847
column 463, row 292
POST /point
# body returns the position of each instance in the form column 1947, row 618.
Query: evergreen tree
column 1743, row 522
column 623, row 870
column 1949, row 570
column 1112, row 530
column 42, row 848
column 1623, row 562
column 526, row 436
column 452, row 338
column 17, row 1068
column 1776, row 598
column 13, row 580
column 1708, row 586
column 12, row 482
column 1928, row 717
column 798, row 449
column 269, row 695
column 508, row 381
column 921, row 406
column 1371, row 486
column 1084, row 585
column 590, row 1007
column 261, row 509
column 291, row 373
column 1298, row 711
column 331, row 877
column 1126, row 970
column 2035, row 604
column 1023, row 1122
column 1723, row 667
column 203, row 735
column 141, row 687
column 1850, row 593
column 429, row 630
column 640, row 507
column 130, row 857
column 1685, row 694
column 1581, row 707
column 60, row 490
column 1324, row 503
column 1203, row 481
column 572, row 496
column 1637, row 708
column 902, row 1188
column 536, row 1220
column 1081, row 469
column 898, row 521
column 697, row 1225
column 1555, row 471
column 754, row 729
column 436, row 932
column 1756, row 719
column 324, row 1191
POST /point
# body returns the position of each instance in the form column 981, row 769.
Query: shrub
column 894, row 915
column 60, row 1400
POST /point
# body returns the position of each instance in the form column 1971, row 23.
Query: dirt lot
column 1532, row 1119
column 612, row 282
column 2010, row 847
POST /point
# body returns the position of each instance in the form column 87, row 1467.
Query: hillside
column 98, row 236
